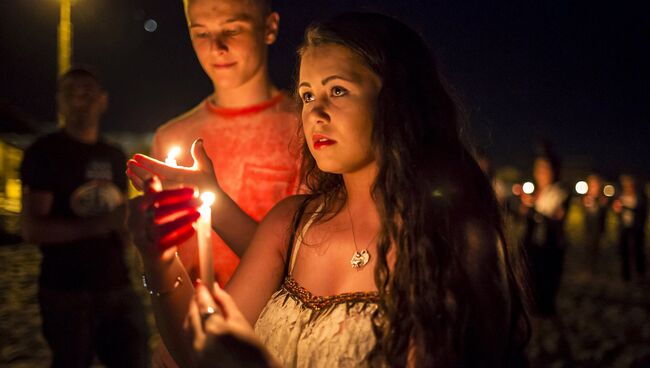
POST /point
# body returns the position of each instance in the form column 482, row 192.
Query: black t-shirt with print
column 85, row 180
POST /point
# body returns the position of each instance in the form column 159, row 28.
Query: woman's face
column 339, row 99
column 593, row 185
column 543, row 172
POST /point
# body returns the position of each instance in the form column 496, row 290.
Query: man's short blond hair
column 265, row 6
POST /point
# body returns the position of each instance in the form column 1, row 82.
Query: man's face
column 627, row 183
column 230, row 38
column 80, row 97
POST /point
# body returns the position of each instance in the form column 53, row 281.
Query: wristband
column 177, row 283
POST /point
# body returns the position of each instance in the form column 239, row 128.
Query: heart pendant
column 360, row 259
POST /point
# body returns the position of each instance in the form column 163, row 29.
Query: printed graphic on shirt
column 99, row 194
column 99, row 170
column 94, row 198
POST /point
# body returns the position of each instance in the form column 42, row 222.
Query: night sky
column 574, row 72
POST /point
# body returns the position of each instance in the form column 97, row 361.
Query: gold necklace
column 359, row 259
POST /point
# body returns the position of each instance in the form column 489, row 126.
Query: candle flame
column 175, row 151
column 528, row 187
column 207, row 198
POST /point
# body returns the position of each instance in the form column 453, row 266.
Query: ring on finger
column 207, row 314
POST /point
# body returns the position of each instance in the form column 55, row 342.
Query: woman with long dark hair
column 395, row 256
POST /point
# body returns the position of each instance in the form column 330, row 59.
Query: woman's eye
column 307, row 97
column 339, row 91
column 201, row 35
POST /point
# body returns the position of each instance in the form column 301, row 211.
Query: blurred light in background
column 10, row 185
column 609, row 190
column 582, row 187
column 528, row 187
column 150, row 25
column 64, row 37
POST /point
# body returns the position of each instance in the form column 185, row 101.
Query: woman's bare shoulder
column 284, row 211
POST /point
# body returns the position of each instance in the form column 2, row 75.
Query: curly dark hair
column 430, row 194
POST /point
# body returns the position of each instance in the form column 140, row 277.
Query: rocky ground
column 21, row 343
column 602, row 321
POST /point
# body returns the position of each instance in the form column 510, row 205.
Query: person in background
column 544, row 246
column 632, row 209
column 73, row 208
column 545, row 211
column 485, row 163
column 595, row 205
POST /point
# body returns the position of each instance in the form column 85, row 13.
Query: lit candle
column 203, row 232
column 171, row 156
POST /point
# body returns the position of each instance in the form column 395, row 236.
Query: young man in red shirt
column 246, row 124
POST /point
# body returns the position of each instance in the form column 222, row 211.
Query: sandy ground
column 602, row 322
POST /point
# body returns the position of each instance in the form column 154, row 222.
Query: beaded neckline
column 318, row 303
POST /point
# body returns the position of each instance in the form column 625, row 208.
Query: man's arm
column 39, row 227
column 233, row 225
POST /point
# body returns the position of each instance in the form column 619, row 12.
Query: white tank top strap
column 299, row 237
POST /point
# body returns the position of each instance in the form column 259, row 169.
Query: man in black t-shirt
column 73, row 208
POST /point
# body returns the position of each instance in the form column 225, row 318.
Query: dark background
column 574, row 72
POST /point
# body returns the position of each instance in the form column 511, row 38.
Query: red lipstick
column 321, row 141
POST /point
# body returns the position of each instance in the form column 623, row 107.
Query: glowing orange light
column 171, row 156
column 207, row 198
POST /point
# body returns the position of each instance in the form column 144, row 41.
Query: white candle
column 171, row 156
column 203, row 232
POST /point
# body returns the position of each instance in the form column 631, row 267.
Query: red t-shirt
column 255, row 157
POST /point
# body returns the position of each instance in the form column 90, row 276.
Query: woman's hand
column 161, row 219
column 221, row 333
column 201, row 175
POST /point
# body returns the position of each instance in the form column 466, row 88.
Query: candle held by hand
column 204, row 231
